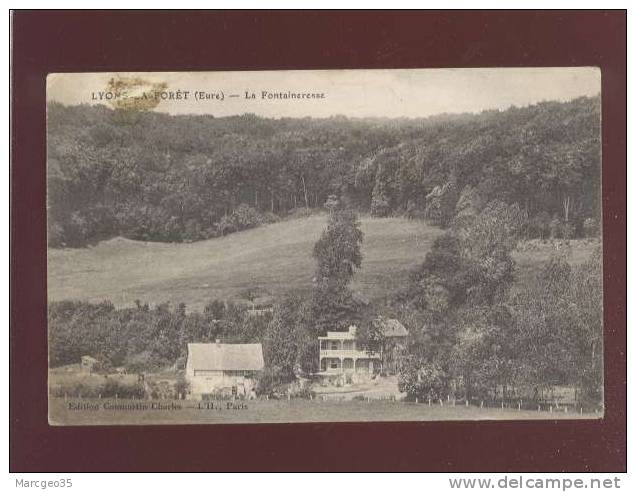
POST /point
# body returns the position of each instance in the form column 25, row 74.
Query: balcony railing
column 353, row 354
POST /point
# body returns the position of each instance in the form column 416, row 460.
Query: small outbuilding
column 392, row 328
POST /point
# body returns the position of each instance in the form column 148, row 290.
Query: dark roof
column 226, row 356
column 392, row 328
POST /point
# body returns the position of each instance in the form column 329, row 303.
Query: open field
column 529, row 260
column 92, row 412
column 275, row 257
column 72, row 375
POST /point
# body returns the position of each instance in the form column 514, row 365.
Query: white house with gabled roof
column 223, row 367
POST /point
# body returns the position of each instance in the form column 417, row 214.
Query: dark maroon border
column 65, row 41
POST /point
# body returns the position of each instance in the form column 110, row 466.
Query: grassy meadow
column 275, row 258
column 66, row 412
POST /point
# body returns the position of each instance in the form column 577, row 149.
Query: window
column 334, row 345
column 323, row 344
column 334, row 364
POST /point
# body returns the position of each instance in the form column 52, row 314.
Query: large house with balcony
column 340, row 354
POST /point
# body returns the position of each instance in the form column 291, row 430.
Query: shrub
column 181, row 387
column 567, row 231
column 440, row 205
column 271, row 380
column 113, row 388
column 427, row 380
column 300, row 389
column 380, row 206
column 193, row 230
column 298, row 213
column 247, row 217
column 414, row 210
column 539, row 226
column 76, row 389
column 269, row 218
column 226, row 225
column 109, row 389
column 243, row 217
column 590, row 227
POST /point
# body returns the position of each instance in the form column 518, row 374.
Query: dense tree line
column 144, row 338
column 179, row 178
column 473, row 336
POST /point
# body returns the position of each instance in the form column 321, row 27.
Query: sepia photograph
column 324, row 246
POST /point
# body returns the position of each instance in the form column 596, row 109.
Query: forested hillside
column 159, row 177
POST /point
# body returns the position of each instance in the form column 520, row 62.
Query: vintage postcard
column 324, row 246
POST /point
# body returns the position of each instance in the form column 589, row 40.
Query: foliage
column 486, row 247
column 441, row 203
column 469, row 205
column 489, row 179
column 466, row 323
column 109, row 388
column 243, row 217
column 270, row 380
column 483, row 357
column 380, row 206
column 141, row 338
column 158, row 177
column 556, row 227
column 334, row 306
column 338, row 251
column 587, row 303
column 113, row 388
column 539, row 226
column 559, row 327
column 591, row 227
column 290, row 343
column 370, row 336
column 281, row 344
column 181, row 386
column 338, row 255
column 423, row 380
column 439, row 284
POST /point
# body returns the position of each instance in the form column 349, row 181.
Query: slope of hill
column 276, row 258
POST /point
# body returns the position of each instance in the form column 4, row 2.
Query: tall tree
column 338, row 255
column 380, row 205
column 338, row 251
